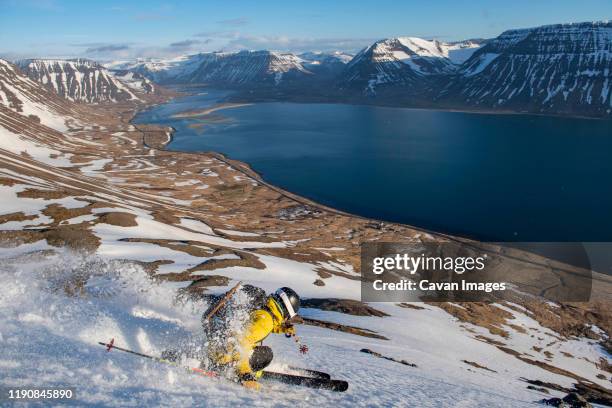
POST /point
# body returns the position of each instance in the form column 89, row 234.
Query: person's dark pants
column 261, row 358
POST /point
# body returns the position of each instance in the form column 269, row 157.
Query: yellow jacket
column 261, row 323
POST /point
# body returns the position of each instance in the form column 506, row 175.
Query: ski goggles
column 283, row 296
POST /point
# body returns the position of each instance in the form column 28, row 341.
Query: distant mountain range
column 238, row 69
column 559, row 69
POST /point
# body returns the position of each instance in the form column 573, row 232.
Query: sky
column 117, row 30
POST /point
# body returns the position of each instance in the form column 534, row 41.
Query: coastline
column 208, row 111
column 252, row 174
column 426, row 108
column 246, row 169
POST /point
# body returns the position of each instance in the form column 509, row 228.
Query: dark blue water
column 490, row 177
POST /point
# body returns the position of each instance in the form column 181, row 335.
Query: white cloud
column 235, row 41
column 221, row 40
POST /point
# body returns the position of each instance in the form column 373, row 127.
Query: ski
column 310, row 382
column 310, row 373
column 317, row 379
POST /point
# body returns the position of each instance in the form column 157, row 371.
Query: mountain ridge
column 84, row 80
column 553, row 69
column 561, row 68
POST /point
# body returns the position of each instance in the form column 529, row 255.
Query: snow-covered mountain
column 237, row 69
column 556, row 68
column 160, row 70
column 135, row 81
column 33, row 103
column 321, row 58
column 325, row 65
column 563, row 68
column 82, row 80
column 249, row 67
column 404, row 61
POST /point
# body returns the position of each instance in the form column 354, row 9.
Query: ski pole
column 111, row 345
column 301, row 347
column 220, row 303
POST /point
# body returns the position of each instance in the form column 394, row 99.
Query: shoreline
column 208, row 111
column 242, row 98
column 247, row 170
column 491, row 247
column 246, row 100
column 236, row 96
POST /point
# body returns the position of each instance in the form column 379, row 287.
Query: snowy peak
column 404, row 61
column 424, row 57
column 79, row 80
column 421, row 56
column 321, row 58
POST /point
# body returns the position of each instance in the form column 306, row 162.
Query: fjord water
column 485, row 176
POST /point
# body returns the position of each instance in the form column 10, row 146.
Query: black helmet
column 288, row 301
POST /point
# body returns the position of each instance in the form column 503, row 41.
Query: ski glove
column 289, row 331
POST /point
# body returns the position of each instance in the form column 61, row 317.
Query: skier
column 234, row 331
column 238, row 347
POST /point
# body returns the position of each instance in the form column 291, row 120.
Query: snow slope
column 57, row 304
column 22, row 95
column 21, row 144
column 50, row 337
